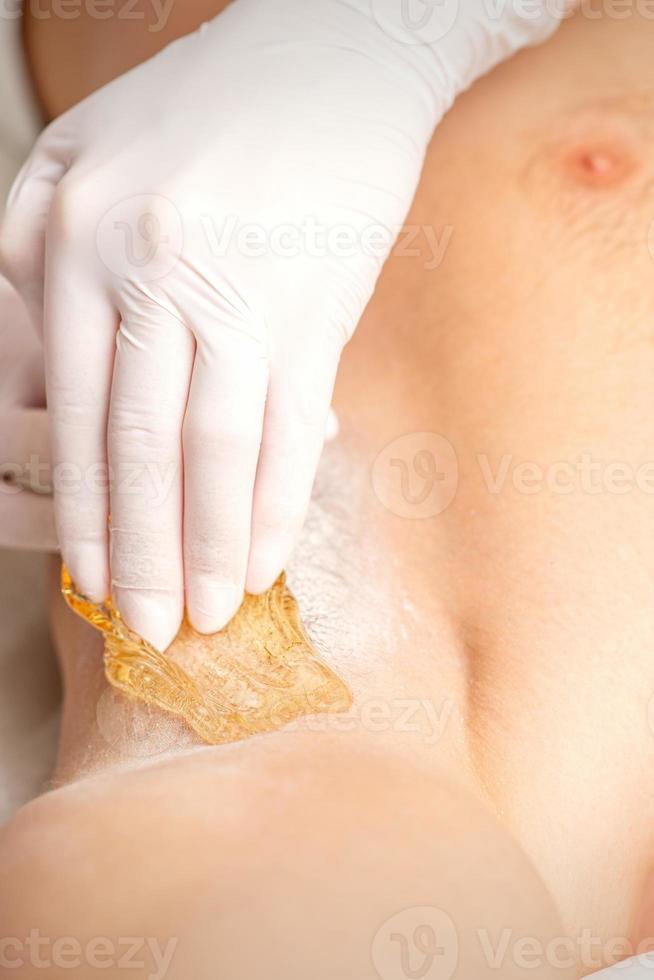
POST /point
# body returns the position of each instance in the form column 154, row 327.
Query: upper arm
column 284, row 857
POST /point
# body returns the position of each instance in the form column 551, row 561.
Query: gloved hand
column 638, row 968
column 26, row 508
column 203, row 235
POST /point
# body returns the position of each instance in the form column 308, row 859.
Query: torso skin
column 516, row 626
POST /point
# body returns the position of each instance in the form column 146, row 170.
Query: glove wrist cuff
column 452, row 43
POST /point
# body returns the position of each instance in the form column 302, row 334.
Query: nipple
column 600, row 165
column 257, row 675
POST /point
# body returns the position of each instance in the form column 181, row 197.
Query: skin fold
column 490, row 611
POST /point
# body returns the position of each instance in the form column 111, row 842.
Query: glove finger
column 23, row 227
column 152, row 374
column 80, row 339
column 297, row 412
column 222, row 437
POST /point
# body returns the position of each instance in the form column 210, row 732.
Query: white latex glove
column 638, row 968
column 201, row 372
column 26, row 509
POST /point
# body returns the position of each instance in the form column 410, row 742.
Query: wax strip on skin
column 257, row 675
